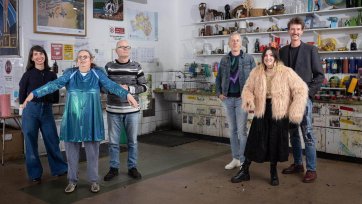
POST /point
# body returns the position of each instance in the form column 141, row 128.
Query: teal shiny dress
column 82, row 119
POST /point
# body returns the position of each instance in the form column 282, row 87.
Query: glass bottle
column 334, row 65
column 349, row 3
column 345, row 66
column 55, row 67
column 353, row 45
column 324, row 65
column 352, row 65
column 256, row 46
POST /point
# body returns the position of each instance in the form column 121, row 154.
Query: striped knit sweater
column 130, row 74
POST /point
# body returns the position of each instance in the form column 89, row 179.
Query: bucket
column 5, row 105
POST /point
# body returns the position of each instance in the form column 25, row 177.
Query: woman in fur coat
column 278, row 97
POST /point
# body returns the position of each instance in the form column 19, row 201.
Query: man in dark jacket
column 120, row 114
column 305, row 61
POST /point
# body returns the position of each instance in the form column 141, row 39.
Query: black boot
column 243, row 174
column 274, row 180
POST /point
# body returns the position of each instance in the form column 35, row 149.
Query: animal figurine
column 241, row 12
column 276, row 9
column 218, row 15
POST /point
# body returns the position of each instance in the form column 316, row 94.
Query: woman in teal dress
column 82, row 120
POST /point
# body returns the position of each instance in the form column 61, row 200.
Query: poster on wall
column 9, row 78
column 56, row 51
column 143, row 25
column 68, row 52
column 143, row 54
column 60, row 17
column 108, row 9
column 9, row 35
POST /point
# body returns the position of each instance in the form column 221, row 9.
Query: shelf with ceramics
column 315, row 13
column 320, row 52
column 349, row 19
column 318, row 30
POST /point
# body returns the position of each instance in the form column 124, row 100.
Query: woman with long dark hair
column 278, row 97
column 38, row 115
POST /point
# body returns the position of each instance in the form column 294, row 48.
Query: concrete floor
column 189, row 173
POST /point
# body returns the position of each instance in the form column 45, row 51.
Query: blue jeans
column 237, row 119
column 40, row 116
column 117, row 122
column 309, row 140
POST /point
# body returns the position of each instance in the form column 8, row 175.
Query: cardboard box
column 14, row 144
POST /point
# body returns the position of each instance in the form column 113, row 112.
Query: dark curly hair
column 296, row 21
column 275, row 54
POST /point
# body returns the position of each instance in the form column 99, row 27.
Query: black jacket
column 33, row 79
column 307, row 66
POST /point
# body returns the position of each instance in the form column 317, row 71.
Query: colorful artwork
column 60, row 17
column 9, row 38
column 108, row 9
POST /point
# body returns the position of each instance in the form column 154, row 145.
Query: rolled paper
column 5, row 105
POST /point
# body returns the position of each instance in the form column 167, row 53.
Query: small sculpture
column 276, row 9
column 317, row 6
column 245, row 43
column 218, row 15
column 202, row 8
column 227, row 12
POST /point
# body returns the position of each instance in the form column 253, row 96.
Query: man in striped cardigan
column 120, row 114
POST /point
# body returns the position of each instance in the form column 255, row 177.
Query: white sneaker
column 70, row 188
column 234, row 163
column 95, row 188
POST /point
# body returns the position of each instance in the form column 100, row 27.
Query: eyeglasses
column 84, row 57
column 124, row 47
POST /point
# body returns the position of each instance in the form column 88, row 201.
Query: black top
column 33, row 79
column 234, row 85
column 293, row 54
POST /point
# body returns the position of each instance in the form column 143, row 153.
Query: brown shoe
column 310, row 176
column 294, row 168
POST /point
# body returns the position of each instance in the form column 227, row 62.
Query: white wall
column 98, row 36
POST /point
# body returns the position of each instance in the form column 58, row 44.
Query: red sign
column 56, row 51
column 118, row 30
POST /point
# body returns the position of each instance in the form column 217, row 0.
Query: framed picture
column 108, row 9
column 9, row 28
column 60, row 17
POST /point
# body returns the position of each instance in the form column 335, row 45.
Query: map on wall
column 143, row 25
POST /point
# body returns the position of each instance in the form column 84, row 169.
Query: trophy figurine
column 353, row 43
column 202, row 9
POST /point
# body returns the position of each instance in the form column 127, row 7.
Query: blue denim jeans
column 309, row 140
column 237, row 119
column 117, row 122
column 40, row 116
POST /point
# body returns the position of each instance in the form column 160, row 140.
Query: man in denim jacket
column 233, row 71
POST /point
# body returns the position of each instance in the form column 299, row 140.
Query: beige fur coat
column 288, row 91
